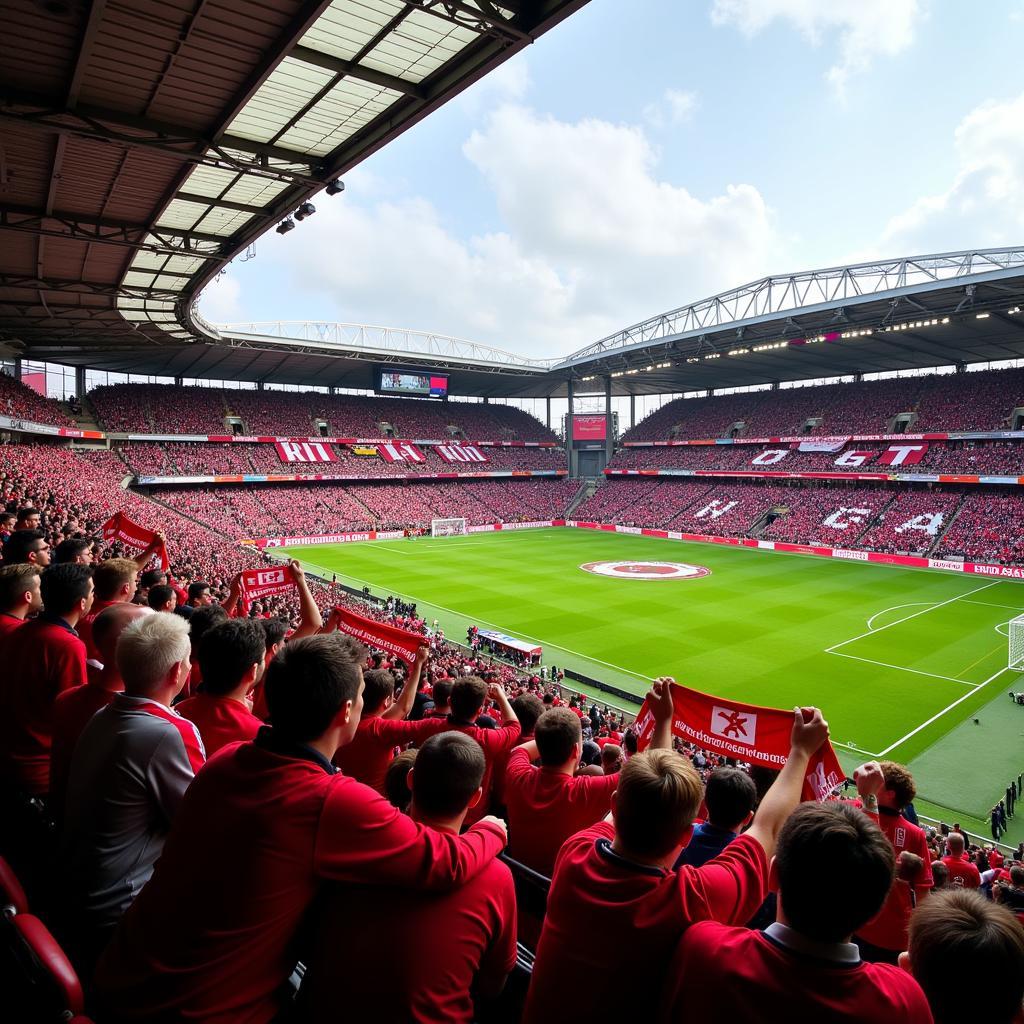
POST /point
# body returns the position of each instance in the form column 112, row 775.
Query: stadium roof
column 143, row 144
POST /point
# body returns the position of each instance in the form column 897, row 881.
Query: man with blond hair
column 129, row 772
column 616, row 881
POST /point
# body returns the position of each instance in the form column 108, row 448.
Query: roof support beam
column 351, row 69
column 226, row 204
column 72, row 286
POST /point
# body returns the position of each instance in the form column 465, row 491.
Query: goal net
column 447, row 527
column 1016, row 635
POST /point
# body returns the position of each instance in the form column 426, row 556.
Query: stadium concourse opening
column 385, row 662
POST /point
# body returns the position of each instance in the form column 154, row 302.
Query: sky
column 645, row 154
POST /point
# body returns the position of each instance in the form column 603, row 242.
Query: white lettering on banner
column 740, row 726
column 903, row 454
column 941, row 563
column 856, row 556
column 844, row 518
column 400, row 451
column 716, row 508
column 628, row 529
column 460, row 453
column 269, row 576
column 303, row 451
column 926, row 522
column 855, row 458
column 769, row 457
column 821, row 783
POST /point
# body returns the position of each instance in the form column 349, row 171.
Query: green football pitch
column 901, row 661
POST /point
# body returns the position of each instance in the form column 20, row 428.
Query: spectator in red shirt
column 42, row 659
column 616, row 907
column 231, row 659
column 446, row 945
column 468, row 696
column 968, row 956
column 27, row 546
column 548, row 804
column 384, row 726
column 832, row 870
column 115, row 581
column 20, row 597
column 74, row 708
column 214, row 935
column 884, row 937
column 962, row 873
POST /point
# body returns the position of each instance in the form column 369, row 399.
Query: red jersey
column 889, row 929
column 545, row 807
column 367, row 757
column 220, row 720
column 71, row 713
column 41, row 659
column 495, row 743
column 85, row 627
column 962, row 873
column 214, row 934
column 734, row 974
column 8, row 624
column 609, row 919
column 444, row 946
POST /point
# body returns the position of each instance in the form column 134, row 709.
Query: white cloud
column 984, row 204
column 676, row 107
column 591, row 239
column 865, row 28
column 220, row 301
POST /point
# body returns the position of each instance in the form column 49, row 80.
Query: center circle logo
column 647, row 570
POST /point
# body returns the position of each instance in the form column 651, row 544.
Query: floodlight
column 307, row 209
column 285, row 226
column 334, row 187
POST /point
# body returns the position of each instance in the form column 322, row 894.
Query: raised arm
column 312, row 620
column 659, row 700
column 403, row 706
column 231, row 601
column 810, row 730
column 142, row 559
column 497, row 693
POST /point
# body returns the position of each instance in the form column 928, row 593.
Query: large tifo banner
column 400, row 451
column 745, row 731
column 304, row 451
column 131, row 535
column 255, row 584
column 460, row 453
column 390, row 639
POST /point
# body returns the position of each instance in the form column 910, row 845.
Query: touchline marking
column 856, row 750
column 907, row 618
column 482, row 622
column 934, row 718
column 901, row 668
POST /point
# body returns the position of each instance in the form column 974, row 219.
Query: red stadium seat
column 12, row 895
column 49, row 984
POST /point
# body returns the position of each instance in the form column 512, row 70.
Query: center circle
column 647, row 570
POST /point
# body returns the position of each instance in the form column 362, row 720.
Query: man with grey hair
column 130, row 769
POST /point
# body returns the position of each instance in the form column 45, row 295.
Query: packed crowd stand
column 167, row 409
column 218, row 817
column 980, row 400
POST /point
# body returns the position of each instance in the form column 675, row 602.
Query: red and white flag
column 255, row 584
column 460, row 453
column 400, row 642
column 131, row 535
column 400, row 451
column 747, row 732
column 903, row 454
column 304, row 451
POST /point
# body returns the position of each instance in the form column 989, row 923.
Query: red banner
column 259, row 583
column 400, row 451
column 460, row 453
column 746, row 732
column 384, row 637
column 589, row 427
column 304, row 451
column 903, row 454
column 131, row 535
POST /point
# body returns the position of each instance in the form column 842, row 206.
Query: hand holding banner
column 400, row 642
column 254, row 584
column 119, row 527
column 747, row 732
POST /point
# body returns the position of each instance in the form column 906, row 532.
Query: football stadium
column 358, row 673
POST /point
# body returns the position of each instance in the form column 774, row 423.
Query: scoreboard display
column 414, row 383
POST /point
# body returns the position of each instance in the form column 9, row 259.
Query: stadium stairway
column 952, row 519
column 587, row 489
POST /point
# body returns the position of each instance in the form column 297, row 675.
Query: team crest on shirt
column 647, row 570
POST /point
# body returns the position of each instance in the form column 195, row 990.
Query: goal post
column 1016, row 638
column 447, row 527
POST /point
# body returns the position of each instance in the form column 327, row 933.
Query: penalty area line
column 945, row 710
column 903, row 668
